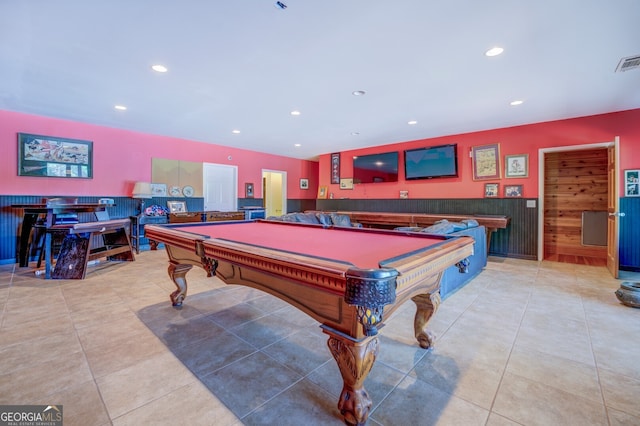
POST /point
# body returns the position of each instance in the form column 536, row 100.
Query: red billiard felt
column 361, row 249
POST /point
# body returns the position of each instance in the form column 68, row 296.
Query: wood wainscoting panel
column 518, row 240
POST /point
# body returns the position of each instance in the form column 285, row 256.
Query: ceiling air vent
column 629, row 63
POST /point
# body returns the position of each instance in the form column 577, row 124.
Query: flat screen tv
column 374, row 168
column 431, row 162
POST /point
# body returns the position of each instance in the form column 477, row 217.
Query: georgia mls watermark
column 30, row 415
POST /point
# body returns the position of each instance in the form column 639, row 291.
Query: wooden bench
column 78, row 248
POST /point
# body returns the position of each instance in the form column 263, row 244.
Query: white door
column 220, row 187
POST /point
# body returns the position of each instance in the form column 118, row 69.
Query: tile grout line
column 595, row 360
column 515, row 339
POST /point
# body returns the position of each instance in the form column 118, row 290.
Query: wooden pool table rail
column 392, row 220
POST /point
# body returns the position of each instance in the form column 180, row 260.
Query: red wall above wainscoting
column 122, row 157
column 526, row 139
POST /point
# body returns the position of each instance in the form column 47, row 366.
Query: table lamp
column 141, row 190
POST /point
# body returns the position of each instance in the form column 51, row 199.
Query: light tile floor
column 524, row 343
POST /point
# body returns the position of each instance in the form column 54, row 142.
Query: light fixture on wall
column 141, row 190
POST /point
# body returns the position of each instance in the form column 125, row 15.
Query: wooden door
column 613, row 227
column 265, row 194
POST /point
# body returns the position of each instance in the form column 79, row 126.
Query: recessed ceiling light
column 412, row 122
column 515, row 103
column 494, row 51
column 120, row 107
column 159, row 68
column 295, row 112
column 235, row 132
column 355, row 133
column 297, row 145
column 358, row 93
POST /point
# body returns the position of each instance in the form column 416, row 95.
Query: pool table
column 348, row 279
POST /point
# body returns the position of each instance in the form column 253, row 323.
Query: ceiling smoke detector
column 629, row 63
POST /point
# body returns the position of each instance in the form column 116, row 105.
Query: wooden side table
column 136, row 231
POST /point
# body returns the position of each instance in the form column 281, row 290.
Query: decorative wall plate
column 175, row 191
column 187, row 191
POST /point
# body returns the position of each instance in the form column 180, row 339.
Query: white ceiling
column 246, row 64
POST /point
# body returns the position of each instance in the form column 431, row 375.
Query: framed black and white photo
column 632, row 183
column 513, row 191
column 304, row 183
column 491, row 190
column 248, row 190
column 177, row 206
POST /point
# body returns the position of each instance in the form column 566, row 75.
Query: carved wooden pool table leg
column 177, row 272
column 355, row 359
column 427, row 305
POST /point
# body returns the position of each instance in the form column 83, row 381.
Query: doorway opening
column 578, row 191
column 274, row 192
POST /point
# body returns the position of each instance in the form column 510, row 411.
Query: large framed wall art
column 49, row 156
column 486, row 162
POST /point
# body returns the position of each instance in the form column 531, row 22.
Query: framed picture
column 486, row 161
column 335, row 167
column 159, row 189
column 632, row 183
column 516, row 166
column 48, row 156
column 404, row 194
column 491, row 190
column 304, row 183
column 177, row 206
column 513, row 190
column 346, row 183
column 322, row 192
column 248, row 190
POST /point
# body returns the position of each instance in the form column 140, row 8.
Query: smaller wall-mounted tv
column 431, row 162
column 374, row 168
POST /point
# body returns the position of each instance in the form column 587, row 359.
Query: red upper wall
column 122, row 157
column 527, row 139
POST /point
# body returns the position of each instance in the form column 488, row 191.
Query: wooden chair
column 78, row 247
column 62, row 224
